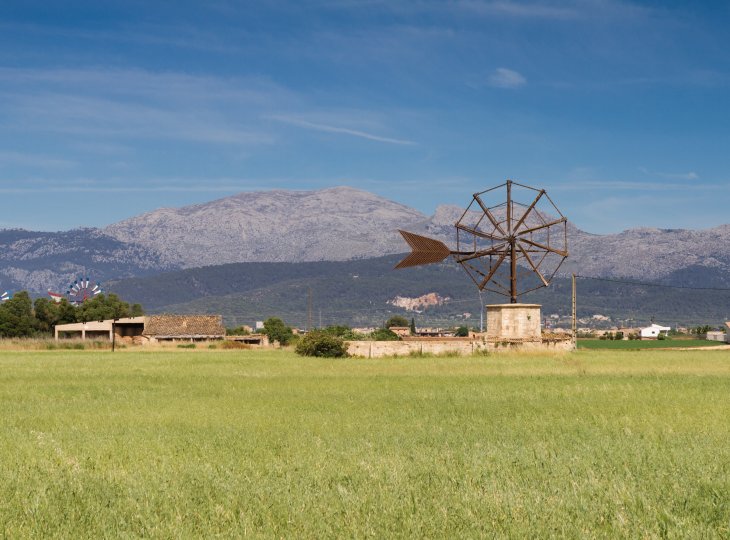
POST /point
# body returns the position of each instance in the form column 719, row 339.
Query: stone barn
column 148, row 329
column 191, row 328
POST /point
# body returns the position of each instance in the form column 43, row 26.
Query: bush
column 323, row 344
column 384, row 334
column 186, row 346
column 397, row 320
column 462, row 331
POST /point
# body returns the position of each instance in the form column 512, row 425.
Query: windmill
column 512, row 239
column 81, row 290
column 4, row 297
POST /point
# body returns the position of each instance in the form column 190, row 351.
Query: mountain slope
column 286, row 226
column 358, row 292
column 38, row 261
column 333, row 224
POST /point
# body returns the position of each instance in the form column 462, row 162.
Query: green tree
column 413, row 326
column 103, row 307
column 66, row 312
column 278, row 331
column 321, row 343
column 46, row 313
column 462, row 331
column 397, row 320
column 384, row 334
column 16, row 316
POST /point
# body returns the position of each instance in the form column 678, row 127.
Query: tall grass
column 264, row 443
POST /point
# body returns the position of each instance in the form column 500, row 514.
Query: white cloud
column 34, row 160
column 506, row 78
column 337, row 129
column 691, row 175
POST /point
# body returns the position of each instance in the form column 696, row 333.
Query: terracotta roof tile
column 184, row 325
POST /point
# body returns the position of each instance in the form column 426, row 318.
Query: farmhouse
column 715, row 335
column 149, row 329
column 654, row 331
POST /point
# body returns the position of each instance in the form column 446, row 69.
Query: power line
column 647, row 284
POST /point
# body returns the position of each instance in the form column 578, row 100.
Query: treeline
column 20, row 316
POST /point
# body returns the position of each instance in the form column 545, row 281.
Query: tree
column 321, row 343
column 103, row 307
column 384, row 334
column 46, row 314
column 66, row 312
column 277, row 331
column 462, row 331
column 413, row 326
column 396, row 320
column 16, row 316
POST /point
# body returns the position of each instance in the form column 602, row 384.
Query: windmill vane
column 529, row 237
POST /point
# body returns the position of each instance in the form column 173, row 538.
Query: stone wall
column 513, row 321
column 463, row 347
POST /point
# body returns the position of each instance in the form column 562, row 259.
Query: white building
column 715, row 335
column 653, row 331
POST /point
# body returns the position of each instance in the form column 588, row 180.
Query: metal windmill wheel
column 81, row 290
column 509, row 244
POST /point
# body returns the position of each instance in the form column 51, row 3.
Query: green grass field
column 639, row 344
column 266, row 444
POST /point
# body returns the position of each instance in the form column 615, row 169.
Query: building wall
column 513, row 321
column 379, row 349
column 715, row 336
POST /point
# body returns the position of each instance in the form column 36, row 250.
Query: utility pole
column 481, row 312
column 309, row 309
column 575, row 322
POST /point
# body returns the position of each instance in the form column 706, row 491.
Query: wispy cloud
column 541, row 10
column 588, row 185
column 691, row 175
column 337, row 129
column 34, row 160
column 506, row 78
column 139, row 104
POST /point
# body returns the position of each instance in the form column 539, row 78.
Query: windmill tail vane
column 424, row 250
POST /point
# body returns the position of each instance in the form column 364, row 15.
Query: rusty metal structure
column 501, row 229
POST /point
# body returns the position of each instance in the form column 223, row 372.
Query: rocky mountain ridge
column 334, row 224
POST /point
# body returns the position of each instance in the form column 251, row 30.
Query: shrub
column 462, row 331
column 397, row 320
column 186, row 346
column 384, row 334
column 323, row 344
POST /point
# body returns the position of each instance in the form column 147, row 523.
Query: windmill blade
column 546, row 248
column 476, row 232
column 493, row 271
column 543, row 226
column 424, row 250
column 529, row 209
column 495, row 250
column 532, row 264
column 489, row 214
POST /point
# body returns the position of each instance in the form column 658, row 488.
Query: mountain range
column 335, row 224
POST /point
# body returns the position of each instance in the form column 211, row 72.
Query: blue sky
column 620, row 109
